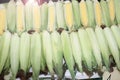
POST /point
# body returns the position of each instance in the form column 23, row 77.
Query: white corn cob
column 20, row 22
column 57, row 53
column 105, row 13
column 83, row 13
column 48, row 50
column 68, row 11
column 112, row 45
column 98, row 13
column 103, row 46
column 11, row 16
column 76, row 14
column 5, row 49
column 86, row 47
column 24, row 51
column 36, row 11
column 111, row 6
column 91, row 13
column 2, row 18
column 28, row 15
column 44, row 16
column 14, row 54
column 67, row 51
column 60, row 15
column 95, row 46
column 51, row 16
column 35, row 54
column 116, row 32
column 77, row 50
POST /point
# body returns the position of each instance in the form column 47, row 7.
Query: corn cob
column 42, row 59
column 105, row 13
column 20, row 26
column 7, row 65
column 24, row 51
column 28, row 15
column 11, row 16
column 2, row 18
column 116, row 33
column 83, row 13
column 98, row 13
column 5, row 49
column 67, row 52
column 95, row 47
column 57, row 53
column 51, row 16
column 14, row 54
column 77, row 51
column 117, row 12
column 111, row 6
column 86, row 48
column 35, row 54
column 103, row 46
column 44, row 16
column 48, row 51
column 91, row 14
column 36, row 16
column 68, row 11
column 1, row 44
column 60, row 15
column 112, row 45
column 76, row 14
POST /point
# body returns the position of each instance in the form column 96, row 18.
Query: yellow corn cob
column 68, row 14
column 20, row 16
column 2, row 18
column 111, row 10
column 36, row 17
column 83, row 13
column 98, row 13
column 51, row 16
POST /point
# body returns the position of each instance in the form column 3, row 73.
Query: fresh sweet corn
column 111, row 6
column 83, row 13
column 2, row 19
column 105, row 13
column 11, row 16
column 68, row 11
column 51, row 16
column 76, row 14
column 60, row 15
column 20, row 22
column 36, row 12
column 98, row 13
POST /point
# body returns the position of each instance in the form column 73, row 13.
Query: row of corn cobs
column 33, row 40
column 18, row 17
column 83, row 50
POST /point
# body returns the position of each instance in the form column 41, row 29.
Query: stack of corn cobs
column 82, row 36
